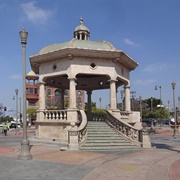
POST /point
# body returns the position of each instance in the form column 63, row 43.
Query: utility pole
column 132, row 98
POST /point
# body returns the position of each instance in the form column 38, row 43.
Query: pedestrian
column 5, row 129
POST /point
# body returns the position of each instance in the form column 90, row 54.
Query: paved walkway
column 161, row 163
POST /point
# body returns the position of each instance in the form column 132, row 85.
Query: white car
column 172, row 119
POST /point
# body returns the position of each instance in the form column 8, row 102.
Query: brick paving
column 50, row 163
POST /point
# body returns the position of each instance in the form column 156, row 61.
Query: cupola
column 81, row 32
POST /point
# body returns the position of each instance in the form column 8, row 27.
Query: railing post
column 73, row 140
column 146, row 143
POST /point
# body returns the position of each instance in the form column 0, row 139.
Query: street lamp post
column 20, row 110
column 151, row 104
column 140, row 99
column 16, row 91
column 156, row 87
column 25, row 147
column 100, row 102
column 174, row 106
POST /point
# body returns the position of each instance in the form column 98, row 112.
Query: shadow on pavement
column 165, row 146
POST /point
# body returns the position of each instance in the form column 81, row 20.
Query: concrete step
column 105, row 140
column 99, row 129
column 100, row 132
column 109, row 148
column 99, row 126
column 100, row 136
column 105, row 136
column 94, row 134
column 107, row 143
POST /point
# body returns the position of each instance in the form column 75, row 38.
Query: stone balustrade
column 124, row 115
column 78, row 136
column 55, row 114
column 130, row 132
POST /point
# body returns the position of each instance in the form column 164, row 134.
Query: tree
column 6, row 119
column 93, row 106
column 155, row 112
column 31, row 113
column 152, row 101
column 150, row 109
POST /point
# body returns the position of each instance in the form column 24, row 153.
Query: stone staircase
column 100, row 136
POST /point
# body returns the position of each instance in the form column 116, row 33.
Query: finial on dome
column 81, row 32
column 81, row 20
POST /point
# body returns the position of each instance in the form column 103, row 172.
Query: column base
column 25, row 150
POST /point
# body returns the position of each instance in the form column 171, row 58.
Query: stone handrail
column 125, row 114
column 55, row 114
column 81, row 131
column 128, row 131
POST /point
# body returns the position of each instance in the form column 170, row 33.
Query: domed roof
column 80, row 44
column 81, row 27
column 31, row 73
column 80, row 41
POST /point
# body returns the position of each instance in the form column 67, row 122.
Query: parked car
column 12, row 126
column 146, row 123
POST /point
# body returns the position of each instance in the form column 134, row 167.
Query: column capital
column 72, row 78
column 42, row 83
column 112, row 80
column 127, row 86
column 89, row 92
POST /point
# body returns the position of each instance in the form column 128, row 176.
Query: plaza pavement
column 50, row 163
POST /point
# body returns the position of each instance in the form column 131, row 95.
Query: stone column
column 127, row 98
column 72, row 93
column 42, row 104
column 80, row 35
column 89, row 107
column 42, row 96
column 62, row 98
column 113, row 100
column 72, row 116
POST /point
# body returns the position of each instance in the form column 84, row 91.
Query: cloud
column 16, row 76
column 157, row 67
column 130, row 42
column 36, row 14
column 144, row 82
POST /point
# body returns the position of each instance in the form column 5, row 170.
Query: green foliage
column 66, row 103
column 152, row 101
column 31, row 113
column 93, row 106
column 6, row 119
column 99, row 112
column 155, row 112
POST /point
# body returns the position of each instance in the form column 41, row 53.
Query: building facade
column 52, row 95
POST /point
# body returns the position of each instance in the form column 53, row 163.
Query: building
column 83, row 65
column 52, row 95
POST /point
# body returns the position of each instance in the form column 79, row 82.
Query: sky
column 146, row 30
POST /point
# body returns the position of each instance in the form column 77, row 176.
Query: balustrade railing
column 124, row 115
column 125, row 129
column 55, row 114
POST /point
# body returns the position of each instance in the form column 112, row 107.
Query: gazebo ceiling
column 83, row 82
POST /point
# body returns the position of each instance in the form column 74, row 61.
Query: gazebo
column 81, row 64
